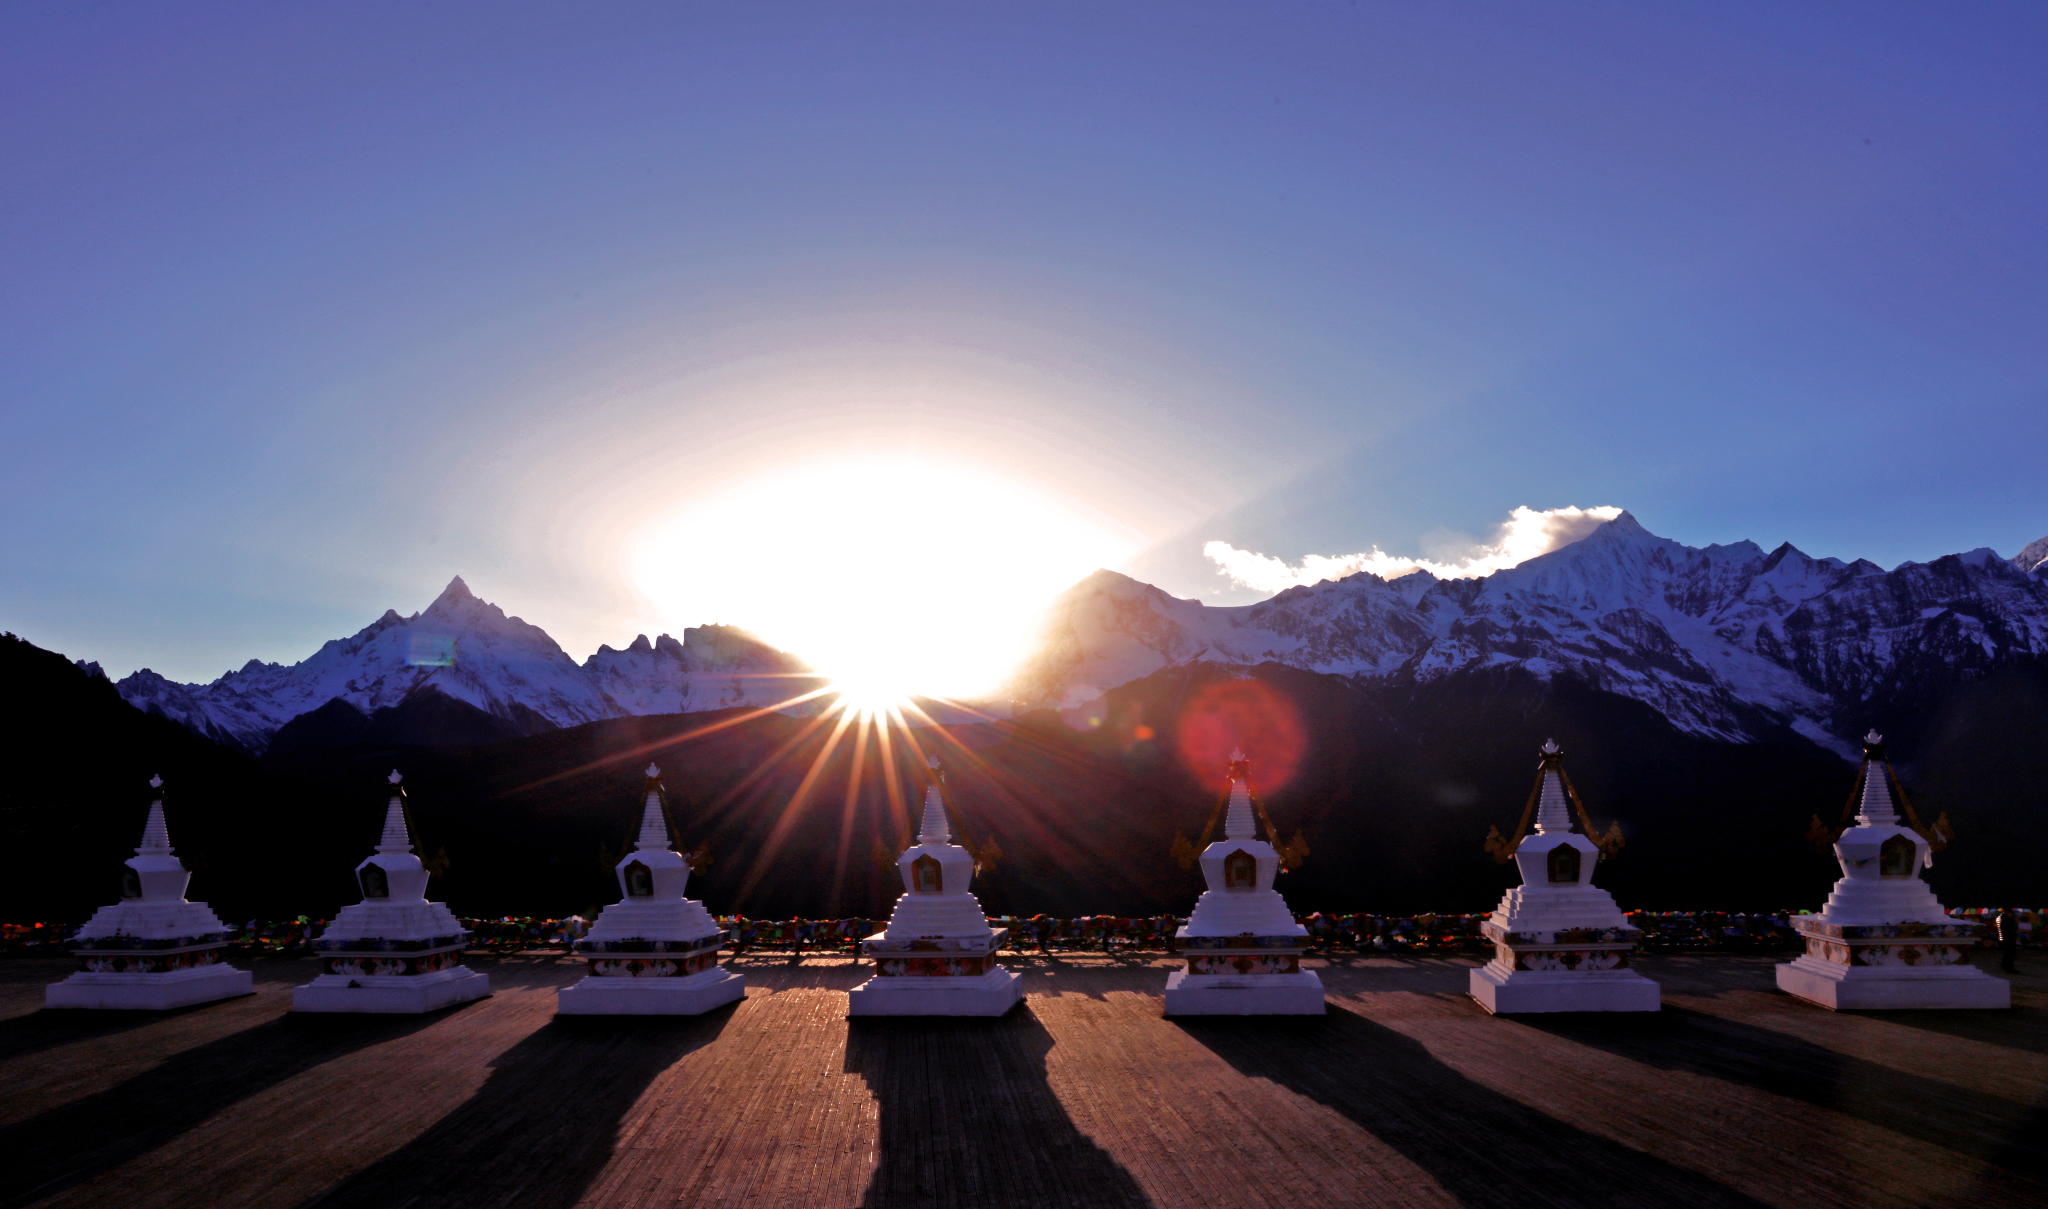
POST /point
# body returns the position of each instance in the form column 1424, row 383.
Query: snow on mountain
column 2034, row 557
column 469, row 650
column 713, row 667
column 1110, row 629
column 1722, row 640
column 1726, row 641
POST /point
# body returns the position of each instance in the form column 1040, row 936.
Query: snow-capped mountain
column 1728, row 642
column 1725, row 642
column 469, row 650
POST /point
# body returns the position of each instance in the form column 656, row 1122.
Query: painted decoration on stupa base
column 1255, row 962
column 1561, row 958
column 152, row 950
column 655, row 967
column 1883, row 941
column 357, row 964
column 98, row 961
column 394, row 952
column 937, row 955
column 637, row 957
column 1559, row 942
column 655, row 951
column 1241, row 948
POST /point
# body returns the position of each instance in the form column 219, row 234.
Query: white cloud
column 1524, row 535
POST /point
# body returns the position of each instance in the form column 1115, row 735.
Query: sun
column 893, row 577
column 870, row 698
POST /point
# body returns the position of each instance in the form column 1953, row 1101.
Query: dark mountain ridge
column 1397, row 783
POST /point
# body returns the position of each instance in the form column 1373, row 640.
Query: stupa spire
column 1877, row 805
column 153, row 949
column 156, row 838
column 933, row 829
column 1883, row 940
column 1237, row 820
column 655, row 952
column 1553, row 811
column 396, row 837
column 1243, row 946
column 937, row 954
column 1560, row 943
column 394, row 951
column 653, row 828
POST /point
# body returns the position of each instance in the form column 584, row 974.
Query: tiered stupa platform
column 1559, row 942
column 393, row 952
column 655, row 952
column 1883, row 940
column 1242, row 945
column 152, row 950
column 937, row 957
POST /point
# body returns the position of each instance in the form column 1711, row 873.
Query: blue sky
column 304, row 309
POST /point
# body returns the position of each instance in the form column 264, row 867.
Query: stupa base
column 1529, row 991
column 149, row 992
column 396, row 994
column 1879, row 988
column 989, row 994
column 691, row 996
column 1299, row 994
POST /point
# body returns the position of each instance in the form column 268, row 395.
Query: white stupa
column 1883, row 941
column 654, row 952
column 151, row 950
column 1242, row 945
column 937, row 956
column 394, row 951
column 1559, row 942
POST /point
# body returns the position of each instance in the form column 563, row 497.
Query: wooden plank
column 1405, row 1093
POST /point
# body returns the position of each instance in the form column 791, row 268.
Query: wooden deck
column 1406, row 1093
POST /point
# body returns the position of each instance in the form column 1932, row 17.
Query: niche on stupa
column 376, row 883
column 1895, row 857
column 1564, row 863
column 131, row 883
column 639, row 881
column 926, row 876
column 1240, row 871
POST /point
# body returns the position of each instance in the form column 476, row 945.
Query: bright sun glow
column 891, row 576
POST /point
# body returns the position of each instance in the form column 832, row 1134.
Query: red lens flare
column 1242, row 713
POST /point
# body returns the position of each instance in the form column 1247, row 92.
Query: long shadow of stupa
column 1484, row 1148
column 968, row 1118
column 1998, row 1130
column 542, row 1126
column 55, row 1150
column 49, row 1028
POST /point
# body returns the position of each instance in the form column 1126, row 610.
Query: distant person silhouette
column 2008, row 925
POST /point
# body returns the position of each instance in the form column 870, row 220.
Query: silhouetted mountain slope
column 76, row 790
column 1974, row 750
column 1395, row 791
column 425, row 718
column 532, row 824
column 1395, row 787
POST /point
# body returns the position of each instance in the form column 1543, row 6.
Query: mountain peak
column 2033, row 556
column 455, row 591
column 1626, row 525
